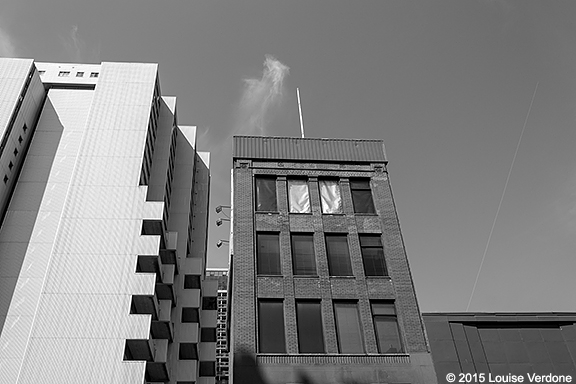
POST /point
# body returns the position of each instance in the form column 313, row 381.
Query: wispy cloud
column 7, row 47
column 77, row 48
column 260, row 97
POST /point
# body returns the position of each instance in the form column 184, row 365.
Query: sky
column 447, row 84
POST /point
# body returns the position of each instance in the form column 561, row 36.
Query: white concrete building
column 103, row 202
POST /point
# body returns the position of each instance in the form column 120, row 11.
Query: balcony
column 154, row 352
column 162, row 328
column 165, row 285
column 157, row 369
column 168, row 255
column 145, row 305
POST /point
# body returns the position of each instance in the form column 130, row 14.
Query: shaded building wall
column 319, row 158
column 502, row 343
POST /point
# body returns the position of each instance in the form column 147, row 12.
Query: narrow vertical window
column 303, row 259
column 266, row 194
column 330, row 196
column 348, row 327
column 299, row 196
column 386, row 326
column 309, row 322
column 362, row 196
column 271, row 326
column 268, row 253
column 338, row 255
column 373, row 255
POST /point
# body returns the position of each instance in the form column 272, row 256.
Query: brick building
column 321, row 286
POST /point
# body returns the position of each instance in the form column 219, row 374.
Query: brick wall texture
column 248, row 287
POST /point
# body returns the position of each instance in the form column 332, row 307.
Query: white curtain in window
column 330, row 196
column 299, row 196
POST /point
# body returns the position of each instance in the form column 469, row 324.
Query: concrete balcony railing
column 145, row 305
column 162, row 328
column 157, row 369
column 165, row 287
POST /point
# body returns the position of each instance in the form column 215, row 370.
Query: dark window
column 41, row 72
column 271, row 326
column 298, row 196
column 190, row 315
column 373, row 255
column 5, row 179
column 191, row 281
column 348, row 327
column 303, row 259
column 208, row 334
column 188, row 351
column 338, row 255
column 10, row 165
column 268, row 253
column 310, row 333
column 266, row 194
column 79, row 74
column 94, row 74
column 386, row 325
column 362, row 196
column 330, row 196
column 63, row 74
column 208, row 368
column 209, row 303
column 15, row 152
column 25, row 128
column 20, row 139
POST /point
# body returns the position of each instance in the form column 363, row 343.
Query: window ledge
column 306, row 276
column 333, row 214
column 364, row 214
column 379, row 277
column 264, row 275
column 267, row 212
column 300, row 213
column 344, row 277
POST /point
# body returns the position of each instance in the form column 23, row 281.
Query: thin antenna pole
column 502, row 197
column 300, row 111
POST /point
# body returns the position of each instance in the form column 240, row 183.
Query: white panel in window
column 330, row 196
column 299, row 196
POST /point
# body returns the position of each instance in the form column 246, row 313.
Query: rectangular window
column 298, row 196
column 271, row 326
column 386, row 325
column 41, row 72
column 373, row 255
column 303, row 259
column 348, row 327
column 208, row 334
column 330, row 196
column 266, row 194
column 209, row 303
column 188, row 351
column 79, row 74
column 63, row 74
column 94, row 74
column 309, row 321
column 362, row 196
column 268, row 253
column 207, row 368
column 191, row 281
column 338, row 255
column 190, row 315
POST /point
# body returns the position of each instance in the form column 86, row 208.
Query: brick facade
column 248, row 287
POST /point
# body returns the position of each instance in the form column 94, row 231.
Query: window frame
column 332, row 265
column 368, row 260
column 342, row 327
column 268, row 263
column 357, row 190
column 271, row 324
column 299, row 265
column 260, row 193
column 324, row 203
column 386, row 315
column 315, row 326
column 293, row 206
